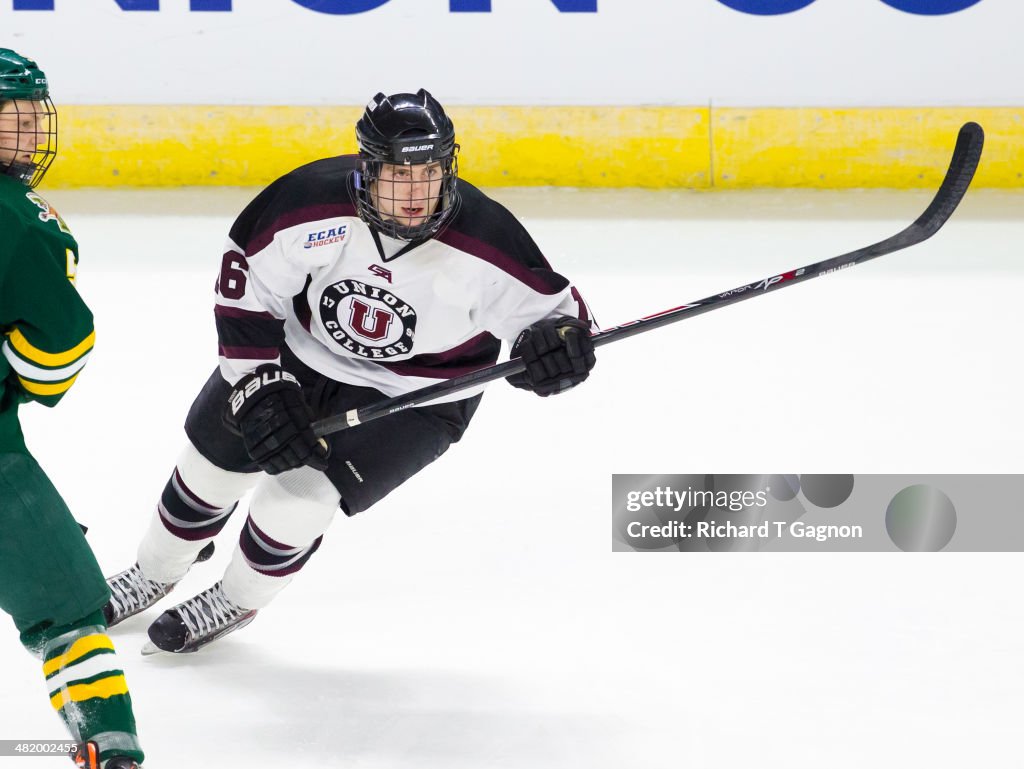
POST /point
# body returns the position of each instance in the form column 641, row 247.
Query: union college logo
column 377, row 328
column 367, row 321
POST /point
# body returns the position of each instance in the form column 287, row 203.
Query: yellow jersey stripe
column 102, row 689
column 78, row 649
column 47, row 389
column 39, row 374
column 34, row 354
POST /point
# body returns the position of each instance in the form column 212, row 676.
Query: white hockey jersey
column 302, row 269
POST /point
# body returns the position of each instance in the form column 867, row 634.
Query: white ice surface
column 477, row 617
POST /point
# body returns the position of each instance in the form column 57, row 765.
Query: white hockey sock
column 287, row 517
column 193, row 508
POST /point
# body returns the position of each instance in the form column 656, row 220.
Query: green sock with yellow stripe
column 88, row 690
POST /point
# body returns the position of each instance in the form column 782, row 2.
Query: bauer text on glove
column 267, row 409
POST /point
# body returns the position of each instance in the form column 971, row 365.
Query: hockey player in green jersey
column 50, row 582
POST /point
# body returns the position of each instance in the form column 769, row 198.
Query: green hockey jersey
column 47, row 328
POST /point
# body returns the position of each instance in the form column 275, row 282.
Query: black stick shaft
column 962, row 167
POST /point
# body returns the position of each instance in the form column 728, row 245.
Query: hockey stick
column 954, row 186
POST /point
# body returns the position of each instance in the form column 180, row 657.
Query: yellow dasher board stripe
column 107, row 687
column 35, row 355
column 697, row 146
column 78, row 649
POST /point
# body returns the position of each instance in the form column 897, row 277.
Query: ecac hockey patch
column 326, row 237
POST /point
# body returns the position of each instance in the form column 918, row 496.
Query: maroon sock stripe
column 271, row 557
column 186, row 515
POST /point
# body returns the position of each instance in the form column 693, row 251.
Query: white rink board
column 526, row 52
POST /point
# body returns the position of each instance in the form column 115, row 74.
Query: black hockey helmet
column 25, row 108
column 408, row 130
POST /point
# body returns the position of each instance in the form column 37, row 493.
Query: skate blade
column 150, row 648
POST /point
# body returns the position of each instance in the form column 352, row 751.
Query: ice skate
column 194, row 623
column 88, row 757
column 131, row 593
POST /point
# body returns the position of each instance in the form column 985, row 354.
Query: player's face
column 408, row 195
column 21, row 130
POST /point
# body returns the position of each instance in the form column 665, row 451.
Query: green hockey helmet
column 21, row 78
column 28, row 119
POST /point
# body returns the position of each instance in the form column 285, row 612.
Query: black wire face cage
column 403, row 200
column 38, row 137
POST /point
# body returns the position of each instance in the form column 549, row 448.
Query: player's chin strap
column 964, row 163
column 23, row 172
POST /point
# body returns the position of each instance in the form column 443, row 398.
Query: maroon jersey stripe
column 482, row 350
column 224, row 311
column 298, row 216
column 249, row 353
column 543, row 281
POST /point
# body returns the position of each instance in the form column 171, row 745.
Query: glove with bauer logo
column 267, row 410
column 558, row 353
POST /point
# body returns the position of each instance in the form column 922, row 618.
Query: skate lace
column 208, row 612
column 130, row 589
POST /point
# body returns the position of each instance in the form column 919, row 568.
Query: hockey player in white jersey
column 348, row 280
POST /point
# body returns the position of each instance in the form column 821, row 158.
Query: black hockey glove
column 267, row 409
column 558, row 353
